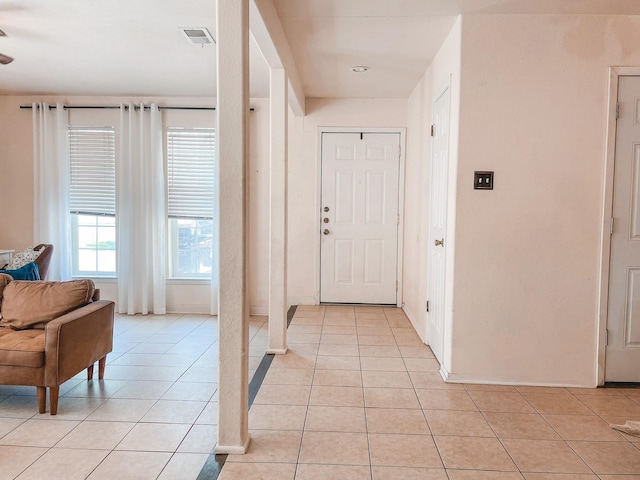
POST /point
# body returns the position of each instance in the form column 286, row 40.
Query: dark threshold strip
column 621, row 385
column 213, row 466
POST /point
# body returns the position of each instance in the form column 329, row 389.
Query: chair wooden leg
column 101, row 365
column 42, row 398
column 53, row 399
column 90, row 372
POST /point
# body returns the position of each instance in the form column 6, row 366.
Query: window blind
column 190, row 173
column 92, row 164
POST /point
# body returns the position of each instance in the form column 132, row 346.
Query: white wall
column 533, row 108
column 16, row 173
column 443, row 71
column 303, row 207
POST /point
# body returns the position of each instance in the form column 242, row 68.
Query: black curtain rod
column 117, row 107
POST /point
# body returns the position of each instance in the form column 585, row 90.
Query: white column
column 232, row 132
column 278, row 214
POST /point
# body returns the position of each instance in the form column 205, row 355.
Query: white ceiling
column 111, row 47
column 93, row 47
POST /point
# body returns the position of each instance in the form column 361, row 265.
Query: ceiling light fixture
column 198, row 35
column 359, row 69
column 4, row 59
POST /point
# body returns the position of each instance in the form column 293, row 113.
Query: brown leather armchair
column 51, row 331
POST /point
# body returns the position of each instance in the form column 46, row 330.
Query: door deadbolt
column 326, row 231
column 326, row 209
column 439, row 243
column 325, row 220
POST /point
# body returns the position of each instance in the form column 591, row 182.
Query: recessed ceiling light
column 359, row 69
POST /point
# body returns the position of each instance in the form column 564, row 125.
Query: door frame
column 607, row 212
column 318, row 216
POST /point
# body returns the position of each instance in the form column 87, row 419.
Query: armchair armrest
column 78, row 339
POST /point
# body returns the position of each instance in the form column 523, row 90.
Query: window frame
column 172, row 251
column 75, row 213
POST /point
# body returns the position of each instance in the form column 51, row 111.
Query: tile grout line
column 366, row 417
column 482, row 413
column 567, row 442
column 313, row 376
column 156, row 402
column 364, row 401
column 214, row 463
column 159, row 399
column 79, row 422
column 424, row 415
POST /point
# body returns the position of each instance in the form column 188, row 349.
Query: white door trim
column 402, row 133
column 607, row 212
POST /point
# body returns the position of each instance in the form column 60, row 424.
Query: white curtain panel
column 51, row 185
column 140, row 211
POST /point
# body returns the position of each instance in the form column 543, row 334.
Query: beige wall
column 16, row 162
column 16, row 222
column 303, row 206
column 533, row 108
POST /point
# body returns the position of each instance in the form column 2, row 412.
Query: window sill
column 170, row 281
column 188, row 281
column 96, row 279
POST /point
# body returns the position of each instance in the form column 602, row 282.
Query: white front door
column 623, row 318
column 438, row 224
column 359, row 218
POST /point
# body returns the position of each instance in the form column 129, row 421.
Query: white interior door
column 359, row 222
column 438, row 224
column 623, row 318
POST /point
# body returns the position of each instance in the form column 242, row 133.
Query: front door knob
column 439, row 243
column 326, row 231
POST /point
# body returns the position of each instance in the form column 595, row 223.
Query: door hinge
column 396, row 285
column 617, row 110
column 433, row 130
column 611, row 226
column 399, row 151
column 427, row 306
column 398, row 219
column 606, row 337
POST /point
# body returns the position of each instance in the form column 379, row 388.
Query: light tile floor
column 359, row 397
column 154, row 415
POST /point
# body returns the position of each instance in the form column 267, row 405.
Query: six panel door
column 359, row 226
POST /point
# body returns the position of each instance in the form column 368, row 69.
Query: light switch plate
column 483, row 180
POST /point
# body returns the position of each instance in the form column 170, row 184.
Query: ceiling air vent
column 198, row 36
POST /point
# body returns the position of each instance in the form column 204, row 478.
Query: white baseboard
column 277, row 351
column 258, row 310
column 206, row 309
column 233, row 449
column 198, row 308
column 444, row 373
column 412, row 319
column 453, row 378
column 302, row 301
